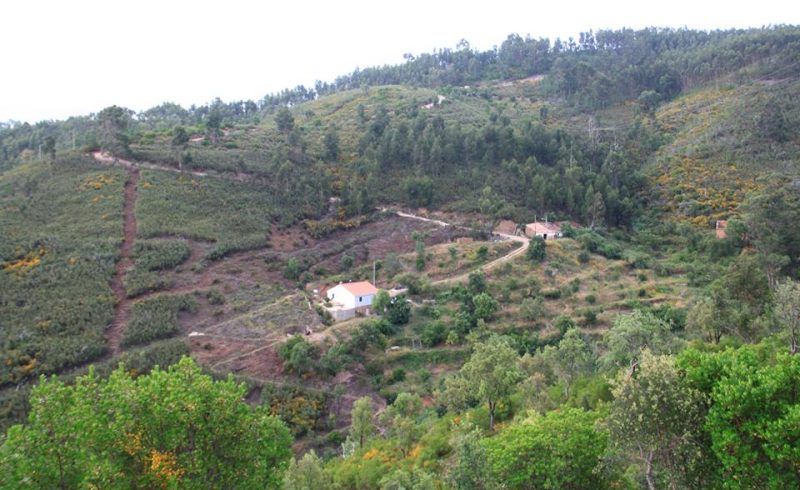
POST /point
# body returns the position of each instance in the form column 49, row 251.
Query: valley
column 183, row 258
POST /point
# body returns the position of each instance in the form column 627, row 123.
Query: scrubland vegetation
column 639, row 351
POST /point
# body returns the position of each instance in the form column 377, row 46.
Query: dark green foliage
column 237, row 245
column 237, row 216
column 302, row 410
column 284, row 120
column 331, row 143
column 138, row 282
column 292, row 269
column 485, row 306
column 552, row 294
column 60, row 232
column 368, row 334
column 346, row 262
column 564, row 323
column 476, row 283
column 336, row 358
column 179, row 137
column 398, row 375
column 156, row 318
column 419, row 191
column 752, row 420
column 771, row 219
column 113, row 125
column 433, row 334
column 673, row 315
column 398, row 311
column 298, row 354
column 536, row 250
column 155, row 255
column 213, row 124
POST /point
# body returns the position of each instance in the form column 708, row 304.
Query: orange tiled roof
column 360, row 288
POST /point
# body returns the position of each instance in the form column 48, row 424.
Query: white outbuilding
column 352, row 295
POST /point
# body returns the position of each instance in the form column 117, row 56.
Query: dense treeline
column 593, row 71
column 696, row 389
column 510, row 171
column 597, row 68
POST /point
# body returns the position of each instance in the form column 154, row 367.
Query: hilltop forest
column 161, row 274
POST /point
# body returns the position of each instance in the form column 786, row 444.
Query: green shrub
column 215, row 297
column 398, row 312
column 156, row 255
column 298, row 354
column 241, row 244
column 346, row 263
column 156, row 318
column 564, row 323
column 524, row 455
column 398, row 375
column 292, row 269
column 138, row 282
column 433, row 334
column 552, row 294
column 537, row 250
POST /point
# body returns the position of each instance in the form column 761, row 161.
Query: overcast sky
column 63, row 58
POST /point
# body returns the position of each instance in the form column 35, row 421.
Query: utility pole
column 373, row 272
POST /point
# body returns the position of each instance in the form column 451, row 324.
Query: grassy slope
column 713, row 157
column 66, row 222
column 719, row 148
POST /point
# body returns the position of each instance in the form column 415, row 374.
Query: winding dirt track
column 108, row 159
column 485, row 267
column 123, row 311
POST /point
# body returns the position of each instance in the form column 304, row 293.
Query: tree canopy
column 173, row 428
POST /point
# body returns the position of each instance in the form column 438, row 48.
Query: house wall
column 342, row 296
column 365, row 300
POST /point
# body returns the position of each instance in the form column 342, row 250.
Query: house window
column 359, row 299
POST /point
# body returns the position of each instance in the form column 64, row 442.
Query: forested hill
column 642, row 350
column 542, row 115
column 592, row 72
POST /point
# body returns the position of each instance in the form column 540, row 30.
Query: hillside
column 214, row 232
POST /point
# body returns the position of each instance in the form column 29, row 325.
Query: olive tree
column 490, row 375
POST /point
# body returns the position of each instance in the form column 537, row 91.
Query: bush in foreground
column 168, row 429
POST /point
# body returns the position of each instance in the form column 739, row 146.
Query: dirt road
column 123, row 310
column 108, row 159
column 485, row 267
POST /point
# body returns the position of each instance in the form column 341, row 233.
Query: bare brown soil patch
column 122, row 313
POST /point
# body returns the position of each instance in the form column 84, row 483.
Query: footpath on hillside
column 125, row 262
column 485, row 267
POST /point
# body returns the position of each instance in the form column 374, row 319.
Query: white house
column 352, row 295
column 545, row 230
